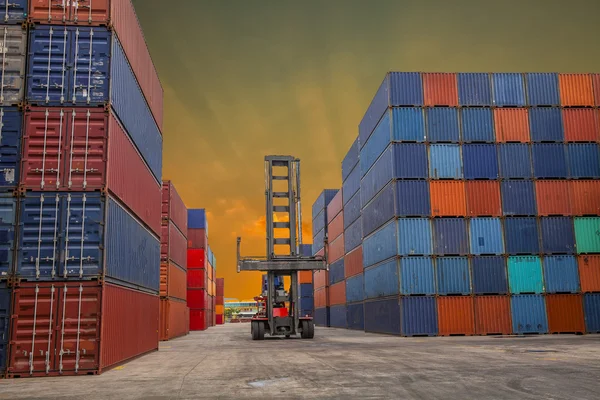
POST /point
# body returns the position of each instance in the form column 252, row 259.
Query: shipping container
column 320, row 279
column 553, row 197
column 591, row 304
column 542, row 89
column 306, row 306
column 355, row 289
column 196, row 258
column 477, row 125
column 305, row 276
column 414, row 236
column 306, row 290
column 376, row 144
column 320, row 297
column 173, row 207
column 589, row 272
column 353, row 262
column 440, row 89
column 557, row 235
column 492, row 315
column 489, row 275
column 518, row 198
column 445, row 161
column 486, row 236
column 581, row 125
column 351, row 210
column 512, row 125
column 14, row 53
column 585, row 197
column 336, row 227
column 546, row 124
column 10, row 147
column 549, row 160
column 508, row 89
column 337, row 293
column 351, row 185
column 338, row 316
column 483, row 198
column 8, row 219
column 528, row 314
column 525, row 275
column 5, row 313
column 450, row 236
column 350, row 160
column 561, row 274
column 515, row 161
column 586, row 235
column 323, row 201
column 576, row 90
column 353, row 236
column 336, row 271
column 565, row 313
column 381, row 280
column 448, row 198
column 380, row 210
column 172, row 319
column 220, row 319
column 198, row 319
column 456, row 315
column 474, row 89
column 383, row 316
column 521, row 235
column 335, row 249
column 408, row 124
column 442, row 125
column 197, row 219
column 596, row 84
column 319, row 241
column 419, row 316
column 173, row 245
column 321, row 317
column 480, row 161
column 453, row 276
column 198, row 299
column 197, row 238
column 584, row 160
column 335, row 207
column 381, row 245
column 356, row 316
column 417, row 276
column 173, row 281
column 14, row 12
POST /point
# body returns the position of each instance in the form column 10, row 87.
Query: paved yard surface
column 224, row 363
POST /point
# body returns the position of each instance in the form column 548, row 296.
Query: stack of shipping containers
column 86, row 266
column 335, row 259
column 305, row 280
column 220, row 301
column 174, row 313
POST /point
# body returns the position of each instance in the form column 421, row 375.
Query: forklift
column 280, row 313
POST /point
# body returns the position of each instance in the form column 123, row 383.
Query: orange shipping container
column 565, row 313
column 336, row 227
column 596, row 83
column 173, row 281
column 456, row 315
column 581, row 125
column 492, row 315
column 336, row 249
column 337, row 293
column 589, row 273
column 321, row 278
column 576, row 90
column 512, row 125
column 219, row 309
column 483, row 198
column 585, row 197
column 173, row 319
column 353, row 262
column 440, row 89
column 305, row 277
column 448, row 198
column 320, row 296
column 553, row 197
column 334, row 207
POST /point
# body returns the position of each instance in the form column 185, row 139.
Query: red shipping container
column 173, row 245
column 492, row 315
column 334, row 207
column 589, row 273
column 220, row 300
column 220, row 319
column 576, row 90
column 581, row 125
column 483, row 199
column 173, row 322
column 565, row 313
column 596, row 84
column 353, row 262
column 173, row 207
column 512, row 125
column 196, row 258
column 68, row 150
column 197, row 320
column 198, row 299
column 336, row 249
column 553, row 197
column 585, row 197
column 440, row 89
column 320, row 297
column 336, row 227
column 337, row 293
column 448, row 198
column 456, row 315
column 197, row 239
column 187, row 320
column 173, row 281
column 197, row 279
column 305, row 277
column 321, row 278
column 220, row 283
column 57, row 328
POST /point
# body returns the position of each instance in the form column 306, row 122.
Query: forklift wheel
column 261, row 330
column 254, row 330
column 308, row 329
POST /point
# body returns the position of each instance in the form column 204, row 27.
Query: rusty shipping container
column 320, row 297
column 483, row 199
column 576, row 90
column 321, row 279
column 553, row 197
column 448, row 198
column 589, row 273
column 173, row 207
column 492, row 315
column 512, row 125
column 173, row 281
column 173, row 245
column 440, row 89
column 456, row 315
column 353, row 262
column 337, row 294
column 581, row 125
column 565, row 313
column 173, row 321
column 585, row 197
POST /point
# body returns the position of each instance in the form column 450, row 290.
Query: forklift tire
column 308, row 330
column 254, row 330
column 260, row 330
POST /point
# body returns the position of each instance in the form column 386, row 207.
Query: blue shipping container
column 546, row 124
column 489, row 275
column 197, row 219
column 318, row 242
column 480, row 161
column 509, row 89
column 450, row 236
column 417, row 276
column 323, row 200
column 13, row 12
column 382, row 316
column 355, row 289
column 352, row 210
column 353, row 236
column 408, row 124
column 319, row 221
column 477, row 125
column 445, row 161
column 11, row 131
column 414, row 237
column 561, row 274
column 336, row 271
column 518, row 198
column 442, row 125
column 453, row 276
column 486, row 236
column 338, row 316
column 515, row 160
column 306, row 249
column 474, row 89
column 542, row 89
column 549, row 160
column 321, row 316
column 380, row 210
column 351, row 185
column 521, row 236
column 558, row 235
column 8, row 215
column 381, row 280
column 529, row 314
column 584, row 161
column 306, row 290
column 419, row 316
column 356, row 316
column 5, row 311
column 380, row 245
column 591, row 306
column 376, row 144
column 350, row 160
column 306, row 303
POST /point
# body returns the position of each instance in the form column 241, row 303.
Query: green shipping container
column 525, row 275
column 587, row 235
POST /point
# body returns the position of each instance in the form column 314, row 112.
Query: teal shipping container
column 525, row 275
column 587, row 235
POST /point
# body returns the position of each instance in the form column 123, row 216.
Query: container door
column 4, row 320
column 90, row 58
column 8, row 207
column 11, row 128
column 49, row 11
column 90, row 11
column 13, row 50
column 13, row 10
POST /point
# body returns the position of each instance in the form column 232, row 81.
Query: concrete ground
column 224, row 363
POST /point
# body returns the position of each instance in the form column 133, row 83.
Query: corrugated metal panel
column 353, row 262
column 576, row 90
column 565, row 313
column 5, row 312
column 318, row 241
column 46, row 12
column 380, row 210
column 518, row 198
column 319, row 222
column 509, row 89
column 354, row 289
column 452, row 275
column 353, row 236
column 198, row 320
column 456, row 315
column 337, row 293
column 406, row 89
column 553, row 197
column 351, row 185
column 335, row 207
column 414, row 236
column 338, row 316
column 489, row 275
column 336, row 227
column 474, row 89
column 442, row 125
column 584, row 160
column 549, row 160
column 8, row 219
column 483, row 198
column 196, row 258
column 419, row 316
column 581, row 124
column 173, row 245
column 586, row 234
column 412, row 198
column 546, row 124
column 450, row 236
column 197, row 298
column 445, row 161
column 585, row 198
column 175, row 282
column 529, row 314
column 542, row 89
column 320, row 297
column 440, row 89
column 480, row 161
column 492, row 315
column 173, row 207
column 417, row 276
column 382, row 280
column 592, row 312
column 512, row 125
column 557, row 235
column 381, row 245
column 486, row 236
column 448, row 198
column 321, row 317
column 306, row 306
column 561, row 274
column 14, row 52
column 323, row 200
column 376, row 144
column 352, row 210
column 336, row 272
column 525, row 275
column 306, row 290
column 13, row 11
column 356, row 316
column 515, row 160
column 596, row 84
column 11, row 131
column 378, row 106
column 477, row 125
column 382, row 316
column 172, row 319
column 408, row 124
column 521, row 235
column 350, row 160
column 335, row 251
column 589, row 272
column 410, row 161
column 197, row 219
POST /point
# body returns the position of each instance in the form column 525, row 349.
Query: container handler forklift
column 283, row 208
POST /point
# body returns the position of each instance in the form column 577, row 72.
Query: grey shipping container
column 14, row 51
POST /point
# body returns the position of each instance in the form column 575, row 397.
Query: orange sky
column 244, row 79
